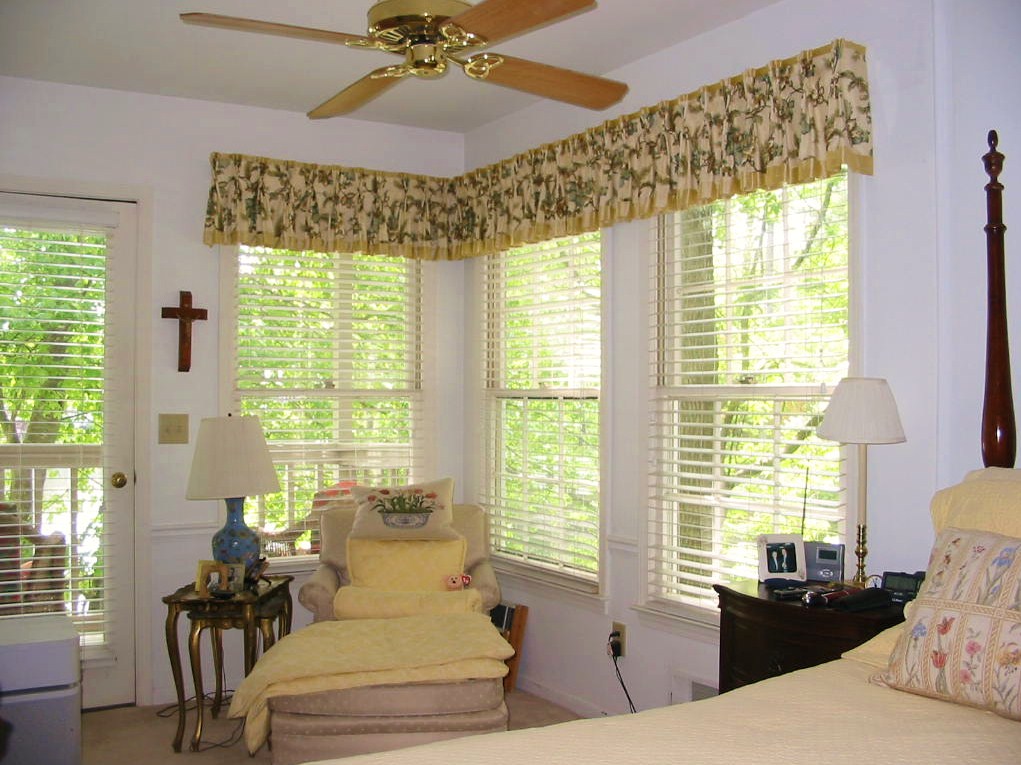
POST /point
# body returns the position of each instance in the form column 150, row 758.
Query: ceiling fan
column 429, row 34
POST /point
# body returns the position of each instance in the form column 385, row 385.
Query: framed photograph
column 210, row 575
column 782, row 556
column 235, row 577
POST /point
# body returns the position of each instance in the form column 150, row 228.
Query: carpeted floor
column 143, row 734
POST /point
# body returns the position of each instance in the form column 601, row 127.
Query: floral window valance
column 794, row 120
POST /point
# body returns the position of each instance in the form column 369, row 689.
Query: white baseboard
column 576, row 704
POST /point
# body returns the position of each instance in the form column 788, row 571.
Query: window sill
column 549, row 585
column 686, row 621
column 293, row 564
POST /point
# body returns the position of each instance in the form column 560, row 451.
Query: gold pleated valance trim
column 792, row 121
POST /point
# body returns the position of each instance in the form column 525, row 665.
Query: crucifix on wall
column 185, row 315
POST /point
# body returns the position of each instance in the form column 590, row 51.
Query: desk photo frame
column 782, row 556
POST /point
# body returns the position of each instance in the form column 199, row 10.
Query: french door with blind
column 66, row 426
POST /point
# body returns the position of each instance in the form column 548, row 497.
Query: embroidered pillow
column 364, row 603
column 962, row 640
column 419, row 511
column 412, row 565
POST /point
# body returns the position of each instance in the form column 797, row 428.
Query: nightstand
column 761, row 637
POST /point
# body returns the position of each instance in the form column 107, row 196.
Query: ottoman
column 316, row 726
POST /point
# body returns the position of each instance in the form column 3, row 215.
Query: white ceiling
column 141, row 45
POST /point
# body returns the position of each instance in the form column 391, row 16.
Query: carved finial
column 993, row 159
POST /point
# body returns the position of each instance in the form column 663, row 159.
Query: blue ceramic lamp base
column 235, row 542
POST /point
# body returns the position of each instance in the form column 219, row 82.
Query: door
column 67, row 281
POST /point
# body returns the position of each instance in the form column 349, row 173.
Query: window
column 327, row 352
column 542, row 368
column 750, row 319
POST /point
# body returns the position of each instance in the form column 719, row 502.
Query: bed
column 748, row 726
column 780, row 717
column 943, row 687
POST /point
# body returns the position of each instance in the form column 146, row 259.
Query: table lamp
column 231, row 462
column 862, row 411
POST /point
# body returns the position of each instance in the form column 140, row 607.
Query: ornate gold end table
column 253, row 611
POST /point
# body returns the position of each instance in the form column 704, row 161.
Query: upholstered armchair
column 318, row 593
column 333, row 723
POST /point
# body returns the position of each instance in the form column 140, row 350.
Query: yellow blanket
column 358, row 652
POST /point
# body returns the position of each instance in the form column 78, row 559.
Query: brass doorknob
column 118, row 480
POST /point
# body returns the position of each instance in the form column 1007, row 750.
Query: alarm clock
column 901, row 585
column 825, row 561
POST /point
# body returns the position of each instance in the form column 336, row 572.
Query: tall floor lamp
column 862, row 411
column 231, row 462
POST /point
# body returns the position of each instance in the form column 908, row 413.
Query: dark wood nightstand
column 761, row 637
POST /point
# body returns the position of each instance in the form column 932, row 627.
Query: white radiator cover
column 40, row 690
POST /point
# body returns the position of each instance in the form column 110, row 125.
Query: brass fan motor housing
column 398, row 24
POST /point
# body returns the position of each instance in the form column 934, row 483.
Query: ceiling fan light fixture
column 427, row 59
column 396, row 21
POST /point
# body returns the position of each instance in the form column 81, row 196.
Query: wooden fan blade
column 353, row 96
column 497, row 20
column 271, row 28
column 547, row 81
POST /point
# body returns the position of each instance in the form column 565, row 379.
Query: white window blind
column 542, row 366
column 54, row 551
column 327, row 351
column 750, row 333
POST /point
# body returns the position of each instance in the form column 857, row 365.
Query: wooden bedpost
column 998, row 430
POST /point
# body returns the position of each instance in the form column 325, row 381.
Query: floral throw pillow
column 419, row 511
column 962, row 640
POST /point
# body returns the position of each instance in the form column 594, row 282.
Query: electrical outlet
column 621, row 628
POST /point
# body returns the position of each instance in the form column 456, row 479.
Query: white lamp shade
column 231, row 460
column 862, row 410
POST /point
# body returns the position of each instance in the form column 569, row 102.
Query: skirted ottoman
column 328, row 724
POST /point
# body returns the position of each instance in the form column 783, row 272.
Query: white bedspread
column 779, row 720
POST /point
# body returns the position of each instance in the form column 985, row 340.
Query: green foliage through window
column 328, row 351
column 542, row 377
column 52, row 356
column 751, row 317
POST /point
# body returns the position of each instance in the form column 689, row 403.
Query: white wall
column 64, row 138
column 941, row 73
column 978, row 65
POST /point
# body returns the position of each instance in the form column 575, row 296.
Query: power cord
column 613, row 650
column 170, row 710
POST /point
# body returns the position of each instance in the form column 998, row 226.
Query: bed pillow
column 962, row 640
column 876, row 650
column 418, row 511
column 406, row 565
column 986, row 499
column 366, row 603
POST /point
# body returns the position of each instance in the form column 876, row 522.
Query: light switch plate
column 173, row 429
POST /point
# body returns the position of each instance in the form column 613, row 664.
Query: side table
column 253, row 611
column 762, row 637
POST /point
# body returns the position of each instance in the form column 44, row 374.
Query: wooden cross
column 185, row 315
